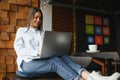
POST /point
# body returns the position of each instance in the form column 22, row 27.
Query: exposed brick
column 20, row 22
column 7, row 28
column 11, row 28
column 11, row 52
column 4, row 20
column 4, row 6
column 9, row 44
column 3, row 68
column 28, row 2
column 0, row 36
column 16, row 67
column 4, row 0
column 13, row 7
column 2, row 44
column 24, row 9
column 3, row 51
column 21, row 15
column 2, row 75
column 12, row 1
column 35, row 3
column 4, row 36
column 24, row 2
column 15, row 59
column 9, row 59
column 3, row 28
column 16, row 27
column 12, row 36
column 12, row 16
column 2, row 60
column 10, row 67
column 3, row 13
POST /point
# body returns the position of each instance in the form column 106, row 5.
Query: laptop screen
column 56, row 43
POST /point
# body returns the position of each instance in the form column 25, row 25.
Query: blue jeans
column 64, row 66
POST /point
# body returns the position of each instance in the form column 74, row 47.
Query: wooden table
column 104, row 55
column 108, row 55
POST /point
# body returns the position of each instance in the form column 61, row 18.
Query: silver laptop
column 56, row 44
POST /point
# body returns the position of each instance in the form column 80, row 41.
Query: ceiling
column 110, row 6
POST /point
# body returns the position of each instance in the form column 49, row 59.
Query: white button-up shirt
column 27, row 44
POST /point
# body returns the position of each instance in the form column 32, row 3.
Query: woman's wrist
column 38, row 53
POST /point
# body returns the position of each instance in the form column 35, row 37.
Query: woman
column 28, row 43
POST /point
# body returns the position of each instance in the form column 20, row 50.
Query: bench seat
column 13, row 76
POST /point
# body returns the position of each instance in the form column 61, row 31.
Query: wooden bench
column 13, row 76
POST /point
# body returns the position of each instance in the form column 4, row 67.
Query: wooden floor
column 13, row 76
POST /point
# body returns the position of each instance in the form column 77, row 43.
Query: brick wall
column 13, row 14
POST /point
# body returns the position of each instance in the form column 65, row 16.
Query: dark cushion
column 28, row 75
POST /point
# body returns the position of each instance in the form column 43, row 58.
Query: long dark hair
column 31, row 15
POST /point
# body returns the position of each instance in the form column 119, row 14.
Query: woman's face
column 36, row 20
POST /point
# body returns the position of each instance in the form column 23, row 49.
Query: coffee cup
column 92, row 47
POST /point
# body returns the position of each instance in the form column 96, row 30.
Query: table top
column 110, row 55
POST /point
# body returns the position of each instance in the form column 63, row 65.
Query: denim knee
column 55, row 58
column 65, row 71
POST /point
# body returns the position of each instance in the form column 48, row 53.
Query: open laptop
column 56, row 44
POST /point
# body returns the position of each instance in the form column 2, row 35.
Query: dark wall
column 81, row 35
column 62, row 20
column 118, row 31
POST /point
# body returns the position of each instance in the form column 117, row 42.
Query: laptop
column 56, row 44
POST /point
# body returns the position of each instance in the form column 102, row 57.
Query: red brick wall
column 13, row 14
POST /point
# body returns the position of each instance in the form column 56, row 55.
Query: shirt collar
column 33, row 29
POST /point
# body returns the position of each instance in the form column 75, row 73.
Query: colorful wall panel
column 89, row 19
column 97, row 30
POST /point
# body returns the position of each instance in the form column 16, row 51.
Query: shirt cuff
column 38, row 53
column 34, row 53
